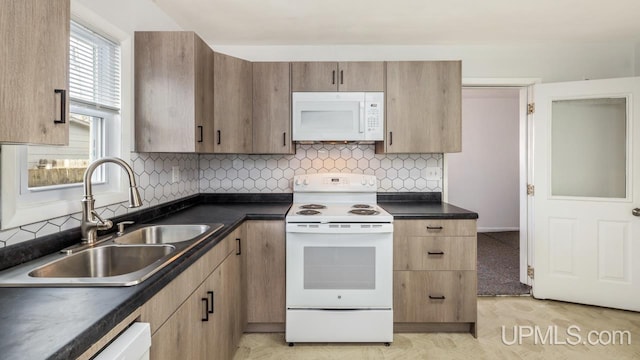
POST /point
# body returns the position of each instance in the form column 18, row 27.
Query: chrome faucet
column 91, row 221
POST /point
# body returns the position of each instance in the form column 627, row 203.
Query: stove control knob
column 364, row 181
column 298, row 182
column 306, row 181
column 372, row 182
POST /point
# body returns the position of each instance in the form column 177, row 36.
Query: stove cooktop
column 338, row 213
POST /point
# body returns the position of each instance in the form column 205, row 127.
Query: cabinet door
column 205, row 133
column 314, row 76
column 183, row 335
column 232, row 104
column 423, row 107
column 165, row 91
column 361, row 76
column 264, row 251
column 272, row 108
column 34, row 62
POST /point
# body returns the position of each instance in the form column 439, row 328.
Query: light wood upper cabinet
column 424, row 107
column 361, row 76
column 272, row 108
column 314, row 76
column 264, row 270
column 233, row 97
column 173, row 92
column 34, row 62
column 333, row 76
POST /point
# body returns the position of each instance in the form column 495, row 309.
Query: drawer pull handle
column 435, row 252
column 436, row 297
column 434, row 227
column 210, row 304
column 205, row 313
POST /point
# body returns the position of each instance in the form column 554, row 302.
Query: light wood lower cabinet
column 199, row 314
column 264, row 273
column 434, row 278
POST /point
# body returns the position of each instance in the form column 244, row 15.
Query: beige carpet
column 499, row 264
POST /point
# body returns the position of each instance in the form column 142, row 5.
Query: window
column 49, row 178
column 94, row 84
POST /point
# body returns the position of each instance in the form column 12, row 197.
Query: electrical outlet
column 175, row 174
column 433, row 173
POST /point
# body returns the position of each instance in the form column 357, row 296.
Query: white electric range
column 339, row 261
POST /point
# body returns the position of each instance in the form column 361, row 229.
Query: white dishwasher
column 133, row 344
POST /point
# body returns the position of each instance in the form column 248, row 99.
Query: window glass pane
column 94, row 68
column 60, row 165
column 589, row 148
column 339, row 267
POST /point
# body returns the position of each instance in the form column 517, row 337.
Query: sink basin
column 103, row 261
column 125, row 260
column 163, row 234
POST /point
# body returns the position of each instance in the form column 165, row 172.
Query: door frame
column 525, row 86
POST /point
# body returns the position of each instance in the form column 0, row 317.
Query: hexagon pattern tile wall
column 247, row 173
column 273, row 173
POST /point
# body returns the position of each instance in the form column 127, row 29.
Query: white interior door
column 587, row 185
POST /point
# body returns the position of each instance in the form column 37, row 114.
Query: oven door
column 339, row 266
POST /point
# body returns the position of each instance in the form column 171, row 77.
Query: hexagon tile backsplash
column 274, row 173
column 153, row 175
column 247, row 173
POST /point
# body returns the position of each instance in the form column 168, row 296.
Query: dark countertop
column 62, row 323
column 426, row 210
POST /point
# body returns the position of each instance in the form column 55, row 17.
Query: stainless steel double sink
column 123, row 260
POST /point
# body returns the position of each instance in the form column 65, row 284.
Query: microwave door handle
column 361, row 125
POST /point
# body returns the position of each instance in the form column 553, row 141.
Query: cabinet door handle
column 201, row 133
column 434, row 227
column 239, row 248
column 333, row 77
column 284, row 139
column 436, row 297
column 341, row 77
column 63, row 106
column 435, row 252
column 390, row 137
column 205, row 316
column 219, row 136
column 210, row 302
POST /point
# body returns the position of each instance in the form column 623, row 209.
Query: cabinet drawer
column 434, row 253
column 436, row 227
column 434, row 296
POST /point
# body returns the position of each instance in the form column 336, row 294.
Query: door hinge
column 530, row 271
column 531, row 108
column 531, row 190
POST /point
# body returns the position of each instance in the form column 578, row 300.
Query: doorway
column 488, row 177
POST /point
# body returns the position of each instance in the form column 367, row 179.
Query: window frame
column 19, row 208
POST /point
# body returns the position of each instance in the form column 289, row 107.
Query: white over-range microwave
column 338, row 116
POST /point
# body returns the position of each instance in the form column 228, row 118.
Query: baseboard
column 497, row 229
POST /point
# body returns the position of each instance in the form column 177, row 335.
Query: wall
column 484, row 177
column 153, row 173
column 637, row 60
column 274, row 173
column 550, row 63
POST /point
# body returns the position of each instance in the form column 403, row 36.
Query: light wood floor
column 493, row 313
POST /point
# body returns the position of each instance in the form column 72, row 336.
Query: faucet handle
column 121, row 226
column 102, row 224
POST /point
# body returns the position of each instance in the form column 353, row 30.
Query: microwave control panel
column 374, row 116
